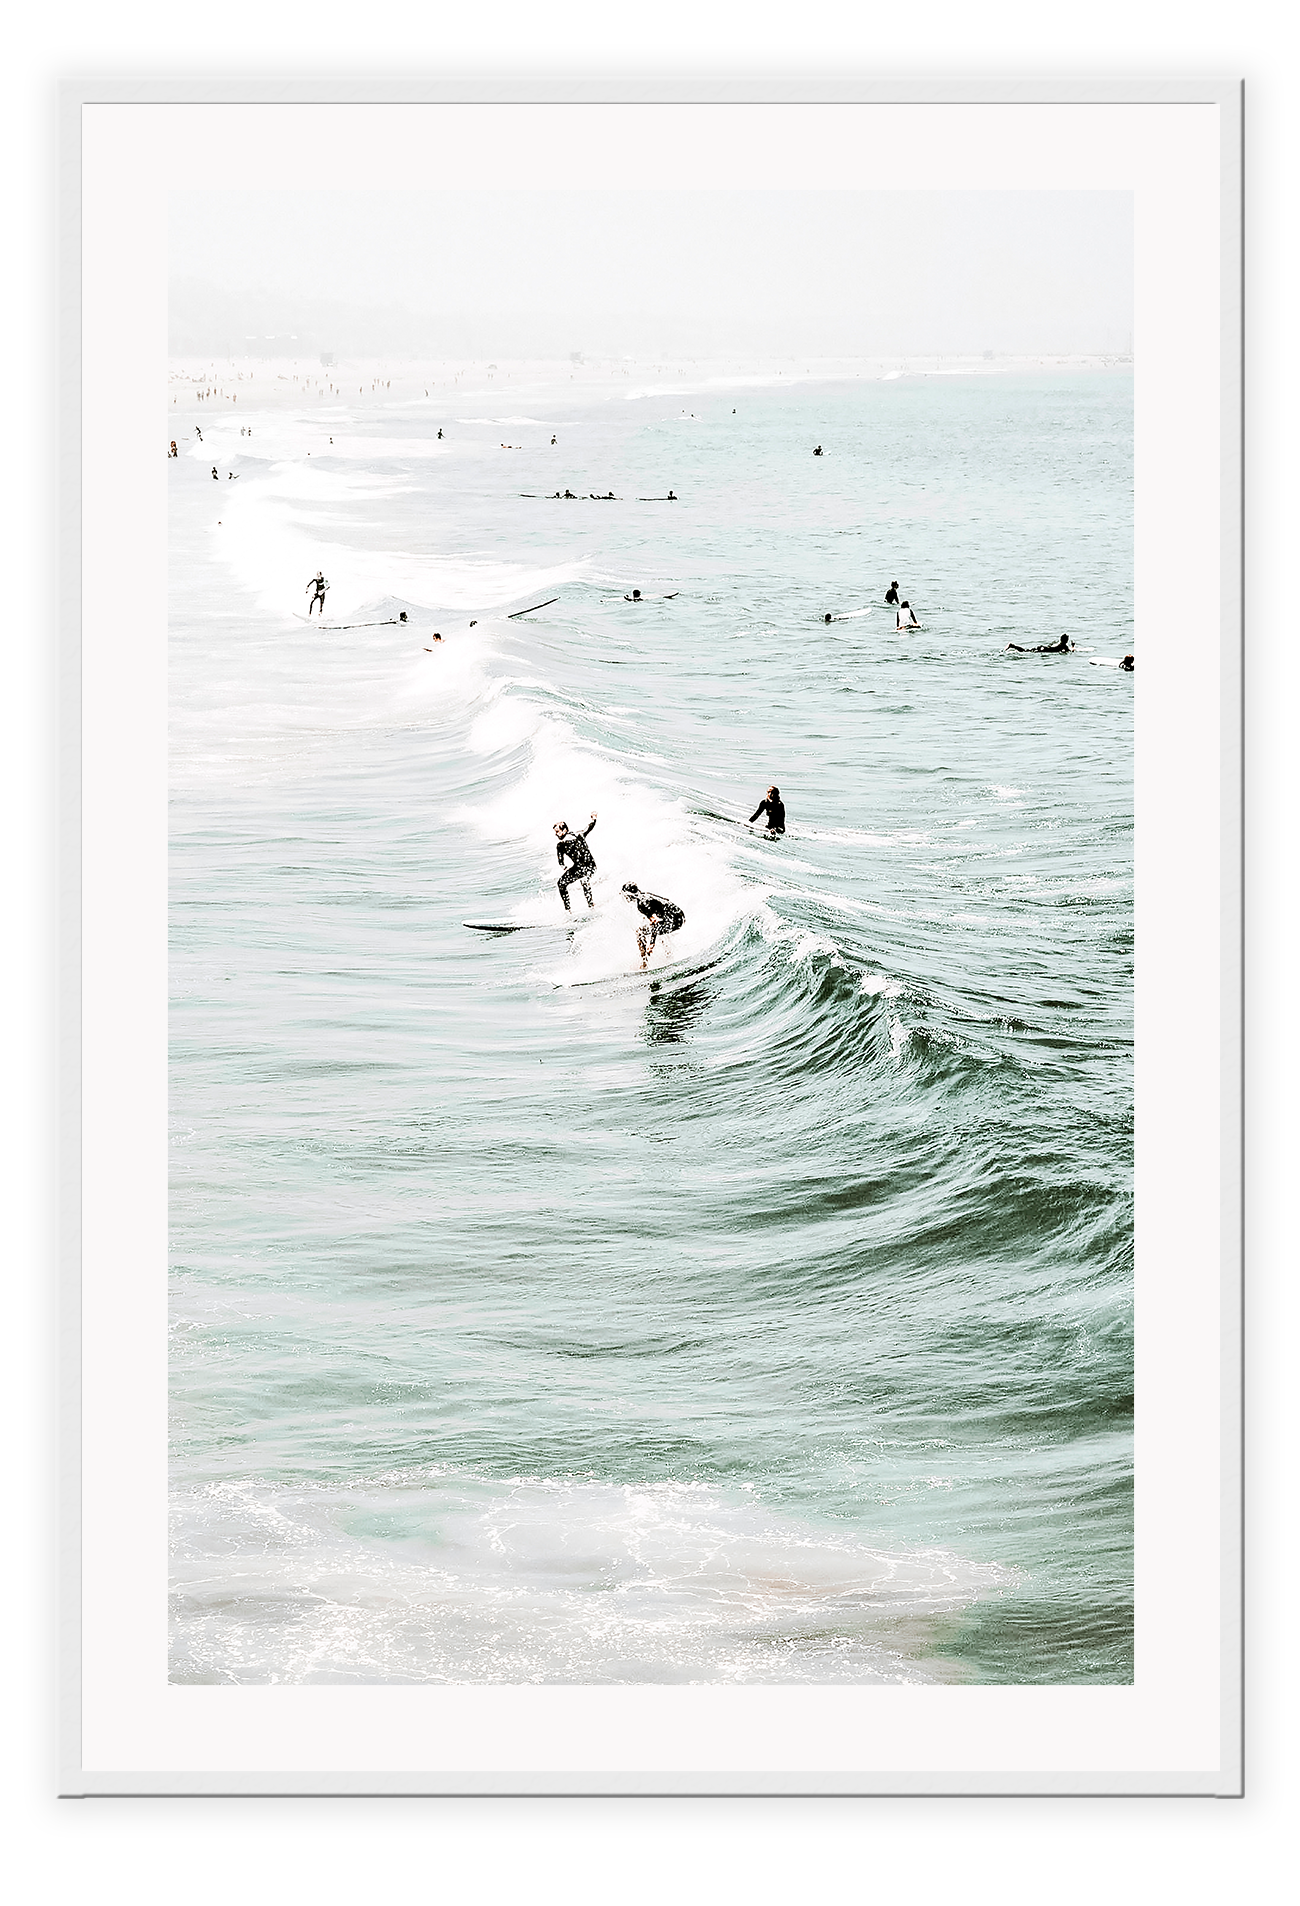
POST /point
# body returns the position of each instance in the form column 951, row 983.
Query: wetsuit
column 891, row 596
column 898, row 617
column 319, row 597
column 1127, row 664
column 574, row 848
column 1043, row 648
column 670, row 918
column 775, row 811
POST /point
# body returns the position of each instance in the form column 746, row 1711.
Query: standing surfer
column 574, row 848
column 660, row 916
column 316, row 590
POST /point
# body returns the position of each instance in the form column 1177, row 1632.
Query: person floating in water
column 1127, row 664
column 574, row 848
column 903, row 617
column 316, row 590
column 1064, row 647
column 659, row 915
column 774, row 807
column 891, row 596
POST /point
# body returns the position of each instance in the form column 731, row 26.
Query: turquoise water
column 763, row 1317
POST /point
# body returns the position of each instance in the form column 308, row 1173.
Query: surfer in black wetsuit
column 891, row 596
column 316, row 590
column 634, row 597
column 1127, row 664
column 774, row 807
column 574, row 848
column 660, row 916
column 1063, row 647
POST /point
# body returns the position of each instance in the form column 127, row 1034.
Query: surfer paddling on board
column 1064, row 647
column 574, row 848
column 316, row 590
column 774, row 807
column 903, row 617
column 658, row 916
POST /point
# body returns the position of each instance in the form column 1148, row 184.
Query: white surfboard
column 530, row 926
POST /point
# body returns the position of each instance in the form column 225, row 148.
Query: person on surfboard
column 659, row 917
column 891, row 596
column 1063, row 647
column 907, row 621
column 574, row 848
column 316, row 590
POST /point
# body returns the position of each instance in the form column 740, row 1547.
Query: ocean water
column 762, row 1317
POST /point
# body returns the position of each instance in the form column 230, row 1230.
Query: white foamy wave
column 641, row 835
column 543, row 1580
column 272, row 539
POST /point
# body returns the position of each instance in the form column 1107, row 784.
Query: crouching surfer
column 574, row 848
column 658, row 916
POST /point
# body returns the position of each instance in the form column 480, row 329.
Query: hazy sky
column 520, row 273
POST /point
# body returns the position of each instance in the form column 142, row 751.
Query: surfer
column 634, row 597
column 214, row 473
column 173, row 452
column 774, row 807
column 1127, row 664
column 660, row 916
column 905, row 622
column 316, row 590
column 1063, row 647
column 574, row 848
column 828, row 617
column 818, row 451
column 891, row 596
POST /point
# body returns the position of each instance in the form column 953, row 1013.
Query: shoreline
column 280, row 381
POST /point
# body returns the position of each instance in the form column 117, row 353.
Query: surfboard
column 1106, row 661
column 384, row 623
column 529, row 926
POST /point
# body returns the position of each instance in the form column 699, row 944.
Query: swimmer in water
column 316, row 590
column 574, row 848
column 891, row 596
column 774, row 807
column 660, row 917
column 907, row 621
column 1064, row 647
